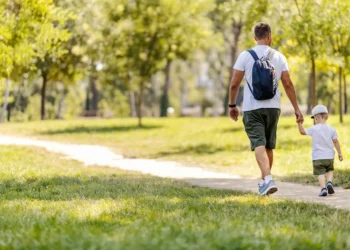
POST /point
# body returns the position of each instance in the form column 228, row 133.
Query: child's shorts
column 323, row 166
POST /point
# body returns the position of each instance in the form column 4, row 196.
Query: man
column 260, row 117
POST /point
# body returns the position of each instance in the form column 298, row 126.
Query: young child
column 324, row 137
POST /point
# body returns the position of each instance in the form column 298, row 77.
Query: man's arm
column 301, row 128
column 337, row 147
column 290, row 91
column 236, row 80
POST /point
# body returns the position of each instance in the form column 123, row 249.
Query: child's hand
column 340, row 157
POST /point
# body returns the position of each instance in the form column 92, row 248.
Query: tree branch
column 296, row 3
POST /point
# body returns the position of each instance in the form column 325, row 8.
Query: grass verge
column 48, row 202
column 212, row 143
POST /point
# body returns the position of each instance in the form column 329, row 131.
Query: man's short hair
column 262, row 30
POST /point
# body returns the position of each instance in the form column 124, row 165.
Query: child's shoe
column 323, row 192
column 330, row 187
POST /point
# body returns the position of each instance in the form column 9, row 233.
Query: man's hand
column 234, row 113
column 299, row 116
column 340, row 157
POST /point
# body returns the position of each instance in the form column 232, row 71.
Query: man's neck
column 262, row 44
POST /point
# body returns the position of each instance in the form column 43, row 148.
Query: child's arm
column 301, row 129
column 337, row 147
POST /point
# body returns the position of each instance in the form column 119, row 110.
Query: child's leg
column 322, row 180
column 329, row 176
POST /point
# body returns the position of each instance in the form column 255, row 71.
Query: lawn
column 48, row 202
column 212, row 143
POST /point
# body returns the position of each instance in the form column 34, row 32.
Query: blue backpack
column 263, row 77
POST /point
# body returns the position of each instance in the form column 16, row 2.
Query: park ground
column 49, row 202
column 212, row 143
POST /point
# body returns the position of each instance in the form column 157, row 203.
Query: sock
column 261, row 182
column 268, row 178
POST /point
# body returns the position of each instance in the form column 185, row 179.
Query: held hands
column 299, row 116
column 234, row 113
column 340, row 157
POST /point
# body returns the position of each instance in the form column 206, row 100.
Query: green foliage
column 244, row 13
column 114, row 104
column 33, row 107
column 129, row 42
column 146, row 34
column 27, row 29
column 305, row 27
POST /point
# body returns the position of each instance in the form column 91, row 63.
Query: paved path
column 97, row 155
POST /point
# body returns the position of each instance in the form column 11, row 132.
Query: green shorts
column 323, row 166
column 261, row 127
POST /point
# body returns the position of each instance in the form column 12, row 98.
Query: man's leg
column 262, row 158
column 270, row 155
column 268, row 186
column 272, row 117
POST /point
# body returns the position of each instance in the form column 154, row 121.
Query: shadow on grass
column 100, row 129
column 201, row 149
column 341, row 178
column 64, row 188
column 296, row 143
column 232, row 130
column 288, row 126
column 241, row 128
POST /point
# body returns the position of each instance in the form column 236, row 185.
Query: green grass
column 212, row 143
column 48, row 202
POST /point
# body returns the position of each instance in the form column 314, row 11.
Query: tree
column 304, row 33
column 147, row 36
column 27, row 27
column 188, row 29
column 340, row 39
column 232, row 19
column 52, row 36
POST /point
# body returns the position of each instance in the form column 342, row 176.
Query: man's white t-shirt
column 322, row 141
column 245, row 63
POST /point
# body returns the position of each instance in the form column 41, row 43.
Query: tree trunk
column 9, row 108
column 330, row 104
column 237, row 28
column 183, row 95
column 340, row 95
column 61, row 104
column 94, row 91
column 43, row 96
column 87, row 100
column 140, row 102
column 164, row 100
column 132, row 104
column 345, row 95
column 309, row 97
column 6, row 97
column 313, row 77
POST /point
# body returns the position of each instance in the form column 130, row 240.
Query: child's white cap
column 319, row 109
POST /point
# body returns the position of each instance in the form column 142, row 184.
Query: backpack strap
column 256, row 58
column 253, row 54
